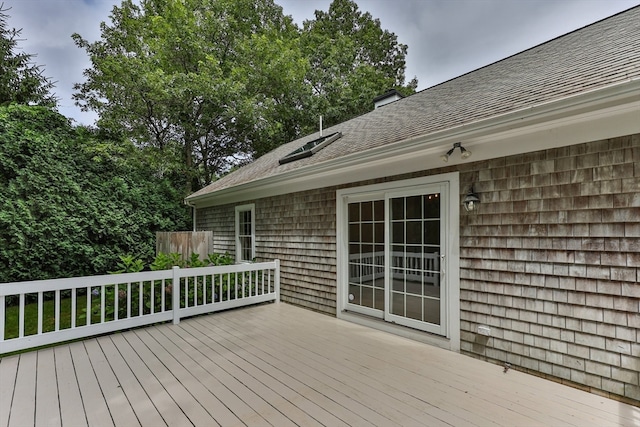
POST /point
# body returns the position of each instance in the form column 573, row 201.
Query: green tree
column 21, row 81
column 72, row 200
column 352, row 60
column 202, row 81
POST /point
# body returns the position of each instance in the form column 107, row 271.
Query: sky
column 446, row 38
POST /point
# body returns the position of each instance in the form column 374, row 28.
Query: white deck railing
column 102, row 304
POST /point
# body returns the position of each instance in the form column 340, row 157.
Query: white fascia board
column 599, row 114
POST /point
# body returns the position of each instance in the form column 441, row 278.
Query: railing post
column 277, row 280
column 175, row 295
column 2, row 318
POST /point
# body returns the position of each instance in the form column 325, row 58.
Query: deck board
column 71, row 408
column 47, row 406
column 178, row 363
column 25, row 391
column 280, row 365
column 454, row 390
column 95, row 406
column 119, row 406
column 8, row 373
column 324, row 380
column 140, row 402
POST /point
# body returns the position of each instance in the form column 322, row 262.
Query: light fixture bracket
column 464, row 153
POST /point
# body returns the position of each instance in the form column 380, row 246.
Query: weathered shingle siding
column 220, row 220
column 300, row 230
column 551, row 262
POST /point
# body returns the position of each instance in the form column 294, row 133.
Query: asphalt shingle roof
column 599, row 55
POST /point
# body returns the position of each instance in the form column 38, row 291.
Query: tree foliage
column 21, row 81
column 73, row 200
column 352, row 60
column 212, row 83
column 195, row 77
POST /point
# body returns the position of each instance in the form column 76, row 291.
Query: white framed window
column 245, row 233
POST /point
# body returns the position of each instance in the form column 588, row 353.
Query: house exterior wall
column 300, row 230
column 550, row 262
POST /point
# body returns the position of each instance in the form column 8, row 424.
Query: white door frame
column 451, row 338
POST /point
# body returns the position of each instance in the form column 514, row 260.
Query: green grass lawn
column 49, row 316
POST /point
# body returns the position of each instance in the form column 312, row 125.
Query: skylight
column 308, row 149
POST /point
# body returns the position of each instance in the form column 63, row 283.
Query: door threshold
column 394, row 328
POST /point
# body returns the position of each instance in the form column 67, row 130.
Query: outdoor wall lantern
column 464, row 153
column 471, row 201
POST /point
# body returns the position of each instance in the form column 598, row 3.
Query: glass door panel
column 415, row 279
column 366, row 225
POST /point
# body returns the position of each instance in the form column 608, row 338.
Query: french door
column 397, row 261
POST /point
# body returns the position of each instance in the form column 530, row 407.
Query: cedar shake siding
column 300, row 230
column 550, row 261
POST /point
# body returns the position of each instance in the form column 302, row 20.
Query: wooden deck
column 280, row 365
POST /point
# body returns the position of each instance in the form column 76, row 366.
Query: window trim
column 239, row 249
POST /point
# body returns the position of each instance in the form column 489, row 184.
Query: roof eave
column 563, row 122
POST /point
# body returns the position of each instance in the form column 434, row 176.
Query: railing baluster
column 242, row 295
column 195, row 291
column 163, row 291
column 140, row 298
column 128, row 300
column 102, row 305
column 40, row 305
column 56, row 309
column 186, row 292
column 153, row 297
column 21, row 316
column 88, row 309
column 74, row 297
column 204, row 289
column 116, row 301
column 2, row 317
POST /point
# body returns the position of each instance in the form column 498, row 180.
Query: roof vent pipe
column 320, row 125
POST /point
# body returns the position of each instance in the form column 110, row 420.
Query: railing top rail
column 222, row 269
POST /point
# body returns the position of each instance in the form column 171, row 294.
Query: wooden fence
column 185, row 243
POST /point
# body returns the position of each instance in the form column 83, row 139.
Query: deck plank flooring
column 280, row 365
column 46, row 390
